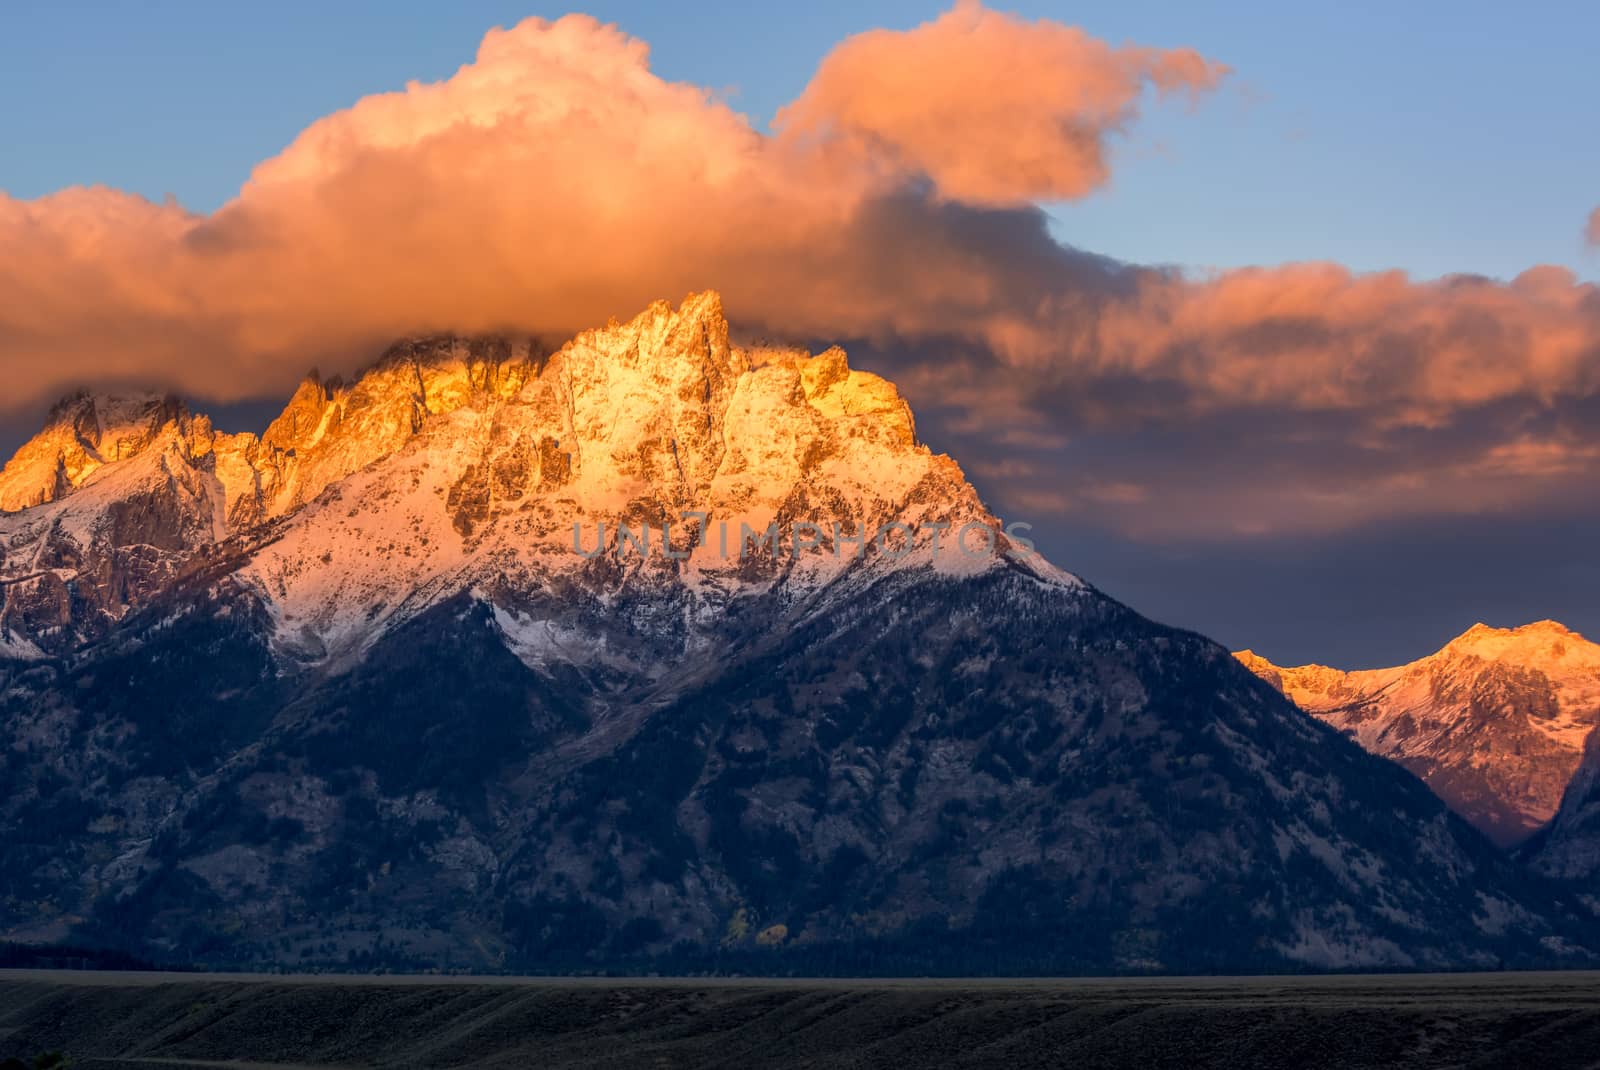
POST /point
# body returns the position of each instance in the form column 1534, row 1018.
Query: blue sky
column 1431, row 137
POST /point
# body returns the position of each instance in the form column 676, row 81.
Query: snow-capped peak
column 656, row 455
column 1495, row 721
column 1545, row 644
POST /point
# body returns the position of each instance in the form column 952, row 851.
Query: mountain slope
column 425, row 699
column 1495, row 722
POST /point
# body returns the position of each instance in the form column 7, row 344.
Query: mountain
column 1495, row 722
column 614, row 657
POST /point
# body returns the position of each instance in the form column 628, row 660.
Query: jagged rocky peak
column 648, row 400
column 1495, row 721
column 302, row 417
column 647, row 408
column 83, row 432
column 659, row 421
column 666, row 406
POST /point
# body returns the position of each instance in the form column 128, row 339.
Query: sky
column 1268, row 445
column 1438, row 138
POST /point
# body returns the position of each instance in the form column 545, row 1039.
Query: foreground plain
column 107, row 1020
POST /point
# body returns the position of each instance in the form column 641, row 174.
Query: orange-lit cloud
column 1316, row 336
column 992, row 109
column 556, row 181
column 1591, row 233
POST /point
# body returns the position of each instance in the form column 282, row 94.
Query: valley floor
column 154, row 1021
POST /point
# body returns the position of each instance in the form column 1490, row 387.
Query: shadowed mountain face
column 1569, row 846
column 1495, row 722
column 348, row 694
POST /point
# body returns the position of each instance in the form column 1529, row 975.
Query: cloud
column 1316, row 336
column 1591, row 233
column 556, row 181
column 992, row 109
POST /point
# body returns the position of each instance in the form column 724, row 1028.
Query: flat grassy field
column 123, row 1020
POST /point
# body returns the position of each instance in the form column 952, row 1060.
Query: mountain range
column 663, row 652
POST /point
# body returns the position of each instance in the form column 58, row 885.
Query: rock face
column 662, row 652
column 1495, row 722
